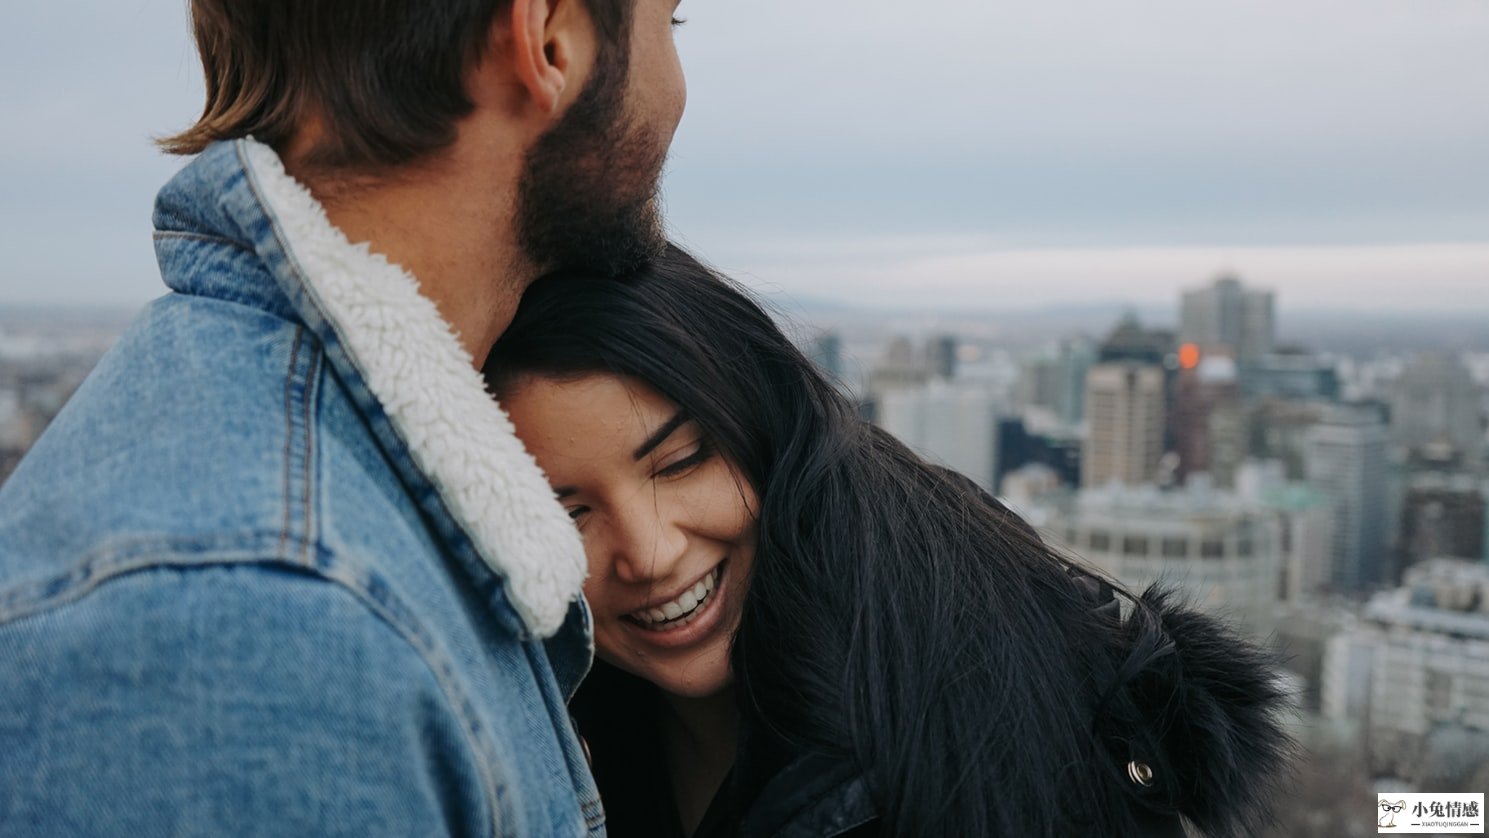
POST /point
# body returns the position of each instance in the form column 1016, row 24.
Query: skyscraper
column 1345, row 458
column 1125, row 421
column 1057, row 381
column 941, row 356
column 1228, row 315
column 826, row 351
column 955, row 424
column 1442, row 517
column 1207, row 394
column 1436, row 405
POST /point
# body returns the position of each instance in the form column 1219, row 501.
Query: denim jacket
column 281, row 567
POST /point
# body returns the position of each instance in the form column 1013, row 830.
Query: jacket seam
column 201, row 237
column 289, row 443
column 300, row 392
column 312, row 448
column 591, row 808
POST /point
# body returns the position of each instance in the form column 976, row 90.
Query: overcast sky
column 943, row 152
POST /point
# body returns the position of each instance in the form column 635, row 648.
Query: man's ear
column 548, row 39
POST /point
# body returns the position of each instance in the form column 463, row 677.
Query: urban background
column 1329, row 497
column 1200, row 289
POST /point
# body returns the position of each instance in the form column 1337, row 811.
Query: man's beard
column 588, row 198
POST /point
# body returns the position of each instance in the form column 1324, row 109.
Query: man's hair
column 386, row 77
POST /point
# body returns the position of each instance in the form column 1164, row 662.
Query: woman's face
column 668, row 524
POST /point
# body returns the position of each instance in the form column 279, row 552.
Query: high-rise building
column 1292, row 376
column 1018, row 447
column 1205, row 389
column 826, row 351
column 1223, row 552
column 1345, row 458
column 1442, row 517
column 1230, row 435
column 1125, row 409
column 1228, row 315
column 941, row 356
column 1436, row 405
column 1129, row 341
column 1056, row 382
column 1278, row 429
column 955, row 424
column 1416, row 665
column 898, row 368
column 1306, row 517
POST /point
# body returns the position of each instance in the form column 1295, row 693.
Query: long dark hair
column 900, row 618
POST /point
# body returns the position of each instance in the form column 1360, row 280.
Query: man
column 281, row 567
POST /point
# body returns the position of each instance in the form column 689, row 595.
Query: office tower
column 1223, row 552
column 1018, row 447
column 1125, row 409
column 826, row 351
column 1345, row 458
column 1307, row 520
column 1056, row 382
column 1290, row 376
column 1415, row 669
column 1277, row 430
column 955, row 424
column 898, row 369
column 1207, row 394
column 1226, row 314
column 1436, row 405
column 941, row 356
column 1230, row 435
column 1129, row 341
column 1442, row 517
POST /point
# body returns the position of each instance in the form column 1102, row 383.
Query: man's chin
column 619, row 250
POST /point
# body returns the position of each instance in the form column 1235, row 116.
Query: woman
column 805, row 629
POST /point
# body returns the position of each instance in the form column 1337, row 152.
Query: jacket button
column 1140, row 773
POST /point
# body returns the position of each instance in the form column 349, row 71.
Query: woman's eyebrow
column 660, row 435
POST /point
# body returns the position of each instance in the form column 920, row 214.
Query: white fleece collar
column 427, row 384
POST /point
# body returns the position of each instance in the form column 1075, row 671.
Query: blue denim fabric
column 230, row 603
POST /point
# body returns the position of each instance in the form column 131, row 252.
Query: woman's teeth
column 679, row 611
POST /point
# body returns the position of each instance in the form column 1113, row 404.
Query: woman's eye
column 578, row 512
column 686, row 464
column 679, row 21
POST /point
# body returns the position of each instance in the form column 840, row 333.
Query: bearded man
column 281, row 567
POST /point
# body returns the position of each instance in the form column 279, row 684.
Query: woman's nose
column 648, row 543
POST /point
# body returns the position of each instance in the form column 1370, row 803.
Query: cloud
column 969, row 274
column 1035, row 127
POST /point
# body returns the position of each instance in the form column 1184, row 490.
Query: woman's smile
column 668, row 523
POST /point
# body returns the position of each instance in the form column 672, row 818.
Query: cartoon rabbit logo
column 1388, row 812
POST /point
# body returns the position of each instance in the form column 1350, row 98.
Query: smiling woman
column 805, row 629
column 668, row 525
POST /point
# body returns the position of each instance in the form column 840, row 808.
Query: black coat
column 771, row 792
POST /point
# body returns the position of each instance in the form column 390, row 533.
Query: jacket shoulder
column 203, row 432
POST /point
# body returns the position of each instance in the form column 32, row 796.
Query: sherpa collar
column 428, row 386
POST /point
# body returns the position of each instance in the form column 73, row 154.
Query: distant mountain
column 1341, row 330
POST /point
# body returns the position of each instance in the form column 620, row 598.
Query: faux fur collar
column 427, row 383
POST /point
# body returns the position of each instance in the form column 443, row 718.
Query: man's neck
column 454, row 236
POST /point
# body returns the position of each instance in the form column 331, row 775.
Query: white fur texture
column 427, row 383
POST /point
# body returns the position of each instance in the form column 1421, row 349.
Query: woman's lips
column 678, row 623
